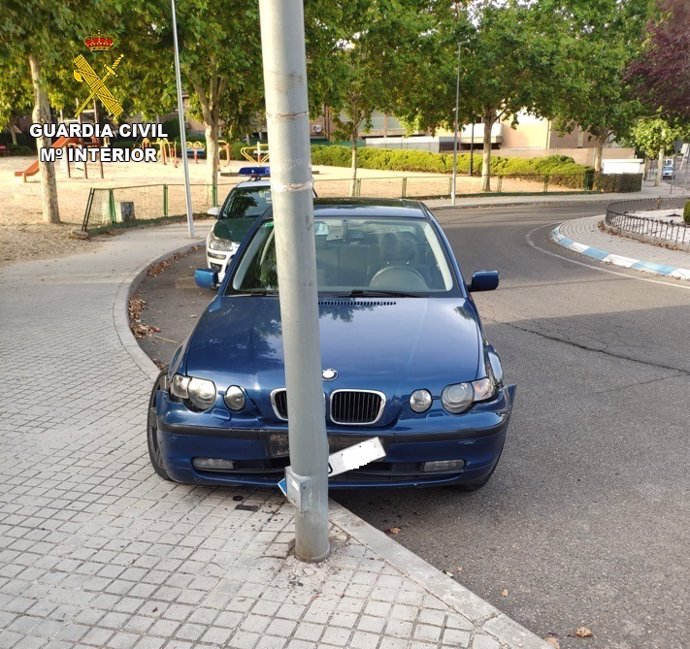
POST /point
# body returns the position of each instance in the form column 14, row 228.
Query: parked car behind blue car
column 404, row 355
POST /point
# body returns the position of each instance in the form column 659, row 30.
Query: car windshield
column 247, row 202
column 356, row 256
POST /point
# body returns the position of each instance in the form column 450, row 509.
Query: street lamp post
column 287, row 117
column 183, row 134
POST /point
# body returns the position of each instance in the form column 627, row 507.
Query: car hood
column 369, row 342
column 221, row 229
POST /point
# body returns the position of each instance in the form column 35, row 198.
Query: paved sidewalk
column 584, row 236
column 96, row 551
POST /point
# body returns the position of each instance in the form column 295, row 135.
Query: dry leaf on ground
column 552, row 639
column 583, row 632
column 504, row 592
column 392, row 530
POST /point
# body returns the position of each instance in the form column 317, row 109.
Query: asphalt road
column 587, row 518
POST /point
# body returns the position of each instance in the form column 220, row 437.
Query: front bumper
column 218, row 260
column 259, row 450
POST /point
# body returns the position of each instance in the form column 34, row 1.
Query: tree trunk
column 659, row 167
column 598, row 155
column 41, row 114
column 489, row 119
column 212, row 159
column 13, row 133
column 353, row 183
column 209, row 110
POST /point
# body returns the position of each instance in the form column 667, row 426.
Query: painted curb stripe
column 617, row 260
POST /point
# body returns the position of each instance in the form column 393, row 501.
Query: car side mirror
column 213, row 211
column 484, row 280
column 205, row 277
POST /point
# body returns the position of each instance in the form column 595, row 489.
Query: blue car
column 404, row 358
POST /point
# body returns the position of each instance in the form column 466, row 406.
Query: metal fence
column 108, row 206
column 623, row 216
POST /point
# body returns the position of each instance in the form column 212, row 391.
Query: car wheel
column 152, row 431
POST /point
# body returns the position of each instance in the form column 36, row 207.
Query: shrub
column 618, row 182
column 19, row 149
column 686, row 212
column 560, row 170
column 172, row 128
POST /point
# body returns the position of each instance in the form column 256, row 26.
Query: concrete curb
column 453, row 594
column 618, row 260
column 121, row 312
column 497, row 625
column 517, row 203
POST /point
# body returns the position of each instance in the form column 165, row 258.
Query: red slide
column 32, row 169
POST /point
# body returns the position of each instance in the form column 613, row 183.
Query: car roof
column 366, row 207
column 254, row 182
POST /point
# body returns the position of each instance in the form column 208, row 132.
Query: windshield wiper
column 376, row 292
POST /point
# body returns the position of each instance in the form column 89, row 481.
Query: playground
column 24, row 236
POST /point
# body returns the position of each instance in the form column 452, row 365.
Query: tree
column 42, row 36
column 598, row 40
column 656, row 138
column 661, row 73
column 506, row 55
column 220, row 59
column 512, row 62
column 372, row 44
column 220, row 54
column 16, row 93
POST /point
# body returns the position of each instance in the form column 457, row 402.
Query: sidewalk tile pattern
column 96, row 551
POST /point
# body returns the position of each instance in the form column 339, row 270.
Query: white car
column 248, row 200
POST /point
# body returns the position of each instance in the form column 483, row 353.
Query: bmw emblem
column 329, row 374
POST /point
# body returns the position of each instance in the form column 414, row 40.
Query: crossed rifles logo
column 86, row 74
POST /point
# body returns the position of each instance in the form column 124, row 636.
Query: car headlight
column 496, row 366
column 179, row 386
column 201, row 393
column 234, row 398
column 420, row 400
column 216, row 243
column 458, row 397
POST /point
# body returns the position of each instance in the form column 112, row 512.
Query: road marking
column 531, row 243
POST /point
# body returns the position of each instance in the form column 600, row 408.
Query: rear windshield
column 376, row 255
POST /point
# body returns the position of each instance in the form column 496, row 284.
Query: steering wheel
column 399, row 278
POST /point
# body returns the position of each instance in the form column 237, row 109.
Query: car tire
column 152, row 431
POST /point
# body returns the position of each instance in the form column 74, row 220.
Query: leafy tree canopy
column 661, row 74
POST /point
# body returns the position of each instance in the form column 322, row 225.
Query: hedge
column 618, row 182
column 561, row 170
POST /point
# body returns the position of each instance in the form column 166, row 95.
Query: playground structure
column 255, row 154
column 195, row 148
column 166, row 150
column 63, row 143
